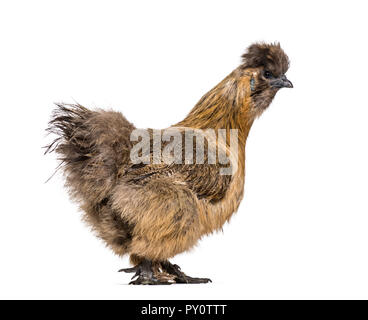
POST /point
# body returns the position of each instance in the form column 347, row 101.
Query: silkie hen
column 153, row 210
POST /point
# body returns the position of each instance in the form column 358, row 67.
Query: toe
column 197, row 280
column 128, row 270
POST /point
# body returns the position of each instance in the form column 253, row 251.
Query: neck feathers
column 226, row 106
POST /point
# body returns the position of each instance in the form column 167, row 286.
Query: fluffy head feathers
column 269, row 56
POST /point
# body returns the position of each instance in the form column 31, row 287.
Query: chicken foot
column 150, row 273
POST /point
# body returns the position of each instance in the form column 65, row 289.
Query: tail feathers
column 66, row 120
column 92, row 146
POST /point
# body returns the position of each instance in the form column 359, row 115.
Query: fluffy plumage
column 154, row 211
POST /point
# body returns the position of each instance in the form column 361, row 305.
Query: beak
column 281, row 82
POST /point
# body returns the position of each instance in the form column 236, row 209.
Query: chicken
column 155, row 209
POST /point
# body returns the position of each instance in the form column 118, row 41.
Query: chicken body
column 153, row 211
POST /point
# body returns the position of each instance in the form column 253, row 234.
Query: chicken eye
column 268, row 75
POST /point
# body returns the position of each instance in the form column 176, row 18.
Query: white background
column 301, row 230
